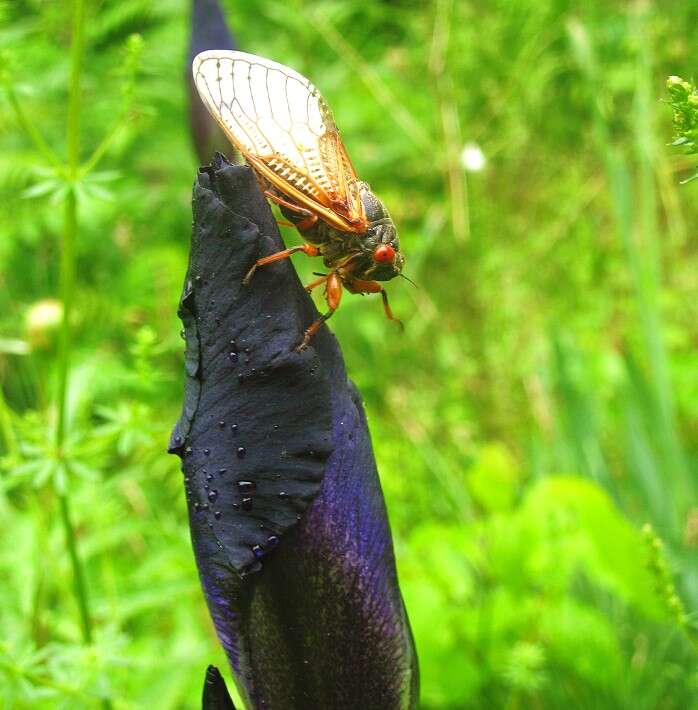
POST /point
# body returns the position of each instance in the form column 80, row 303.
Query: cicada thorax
column 353, row 252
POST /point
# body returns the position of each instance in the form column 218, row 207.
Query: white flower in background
column 472, row 158
column 42, row 320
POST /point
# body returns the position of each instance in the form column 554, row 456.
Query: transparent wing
column 282, row 125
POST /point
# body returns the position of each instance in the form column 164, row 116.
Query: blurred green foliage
column 684, row 102
column 541, row 407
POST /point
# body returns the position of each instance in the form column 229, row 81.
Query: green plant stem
column 29, row 128
column 76, row 52
column 8, row 434
column 647, row 260
column 79, row 586
column 70, row 223
column 99, row 152
column 450, row 122
column 67, row 289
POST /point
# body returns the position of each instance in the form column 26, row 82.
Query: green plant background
column 540, row 409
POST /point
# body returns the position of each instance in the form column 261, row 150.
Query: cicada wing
column 283, row 126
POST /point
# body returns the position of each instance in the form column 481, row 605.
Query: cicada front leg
column 333, row 295
column 361, row 286
column 308, row 249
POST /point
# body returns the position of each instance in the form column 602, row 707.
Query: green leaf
column 47, row 187
column 494, row 478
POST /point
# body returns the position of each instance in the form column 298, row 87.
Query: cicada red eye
column 384, row 254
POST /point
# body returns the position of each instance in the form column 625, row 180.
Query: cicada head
column 381, row 259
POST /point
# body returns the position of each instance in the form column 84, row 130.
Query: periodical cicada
column 285, row 130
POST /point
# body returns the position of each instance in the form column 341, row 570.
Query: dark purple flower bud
column 215, row 695
column 208, row 31
column 298, row 570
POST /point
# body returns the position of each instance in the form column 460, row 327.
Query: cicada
column 285, row 130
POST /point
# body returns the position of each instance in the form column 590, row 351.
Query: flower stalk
column 67, row 292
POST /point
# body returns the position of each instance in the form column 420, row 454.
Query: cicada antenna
column 407, row 278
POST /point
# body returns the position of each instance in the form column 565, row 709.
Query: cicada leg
column 308, row 249
column 314, row 284
column 286, row 203
column 361, row 286
column 309, row 218
column 333, row 295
